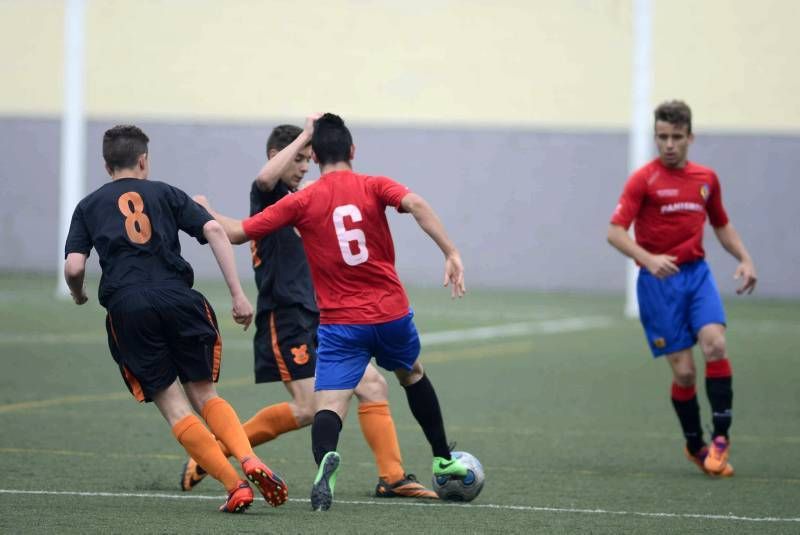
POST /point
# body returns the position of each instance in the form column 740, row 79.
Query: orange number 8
column 137, row 224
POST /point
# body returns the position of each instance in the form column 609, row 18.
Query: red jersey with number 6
column 669, row 207
column 342, row 220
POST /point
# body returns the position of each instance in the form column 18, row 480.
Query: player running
column 285, row 341
column 669, row 199
column 364, row 310
column 161, row 332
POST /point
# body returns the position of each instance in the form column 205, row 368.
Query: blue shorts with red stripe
column 345, row 350
column 674, row 309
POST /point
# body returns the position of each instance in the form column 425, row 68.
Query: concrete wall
column 509, row 116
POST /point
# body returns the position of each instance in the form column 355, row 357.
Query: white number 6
column 348, row 236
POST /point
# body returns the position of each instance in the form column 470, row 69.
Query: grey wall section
column 527, row 208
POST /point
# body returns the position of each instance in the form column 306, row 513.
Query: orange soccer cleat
column 699, row 458
column 717, row 458
column 239, row 499
column 270, row 484
column 408, row 487
column 191, row 475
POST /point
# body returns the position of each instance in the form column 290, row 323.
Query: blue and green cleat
column 324, row 483
column 449, row 467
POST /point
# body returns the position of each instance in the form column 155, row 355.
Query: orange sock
column 225, row 424
column 379, row 431
column 201, row 446
column 269, row 423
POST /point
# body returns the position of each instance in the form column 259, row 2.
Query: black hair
column 282, row 136
column 675, row 112
column 122, row 146
column 331, row 140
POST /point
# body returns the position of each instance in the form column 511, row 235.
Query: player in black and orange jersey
column 163, row 334
column 669, row 199
column 287, row 318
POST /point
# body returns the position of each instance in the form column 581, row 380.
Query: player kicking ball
column 286, row 322
column 364, row 310
column 669, row 200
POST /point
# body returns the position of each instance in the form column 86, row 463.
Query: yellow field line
column 469, row 353
column 70, row 453
column 89, row 398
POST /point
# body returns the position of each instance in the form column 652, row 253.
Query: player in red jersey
column 669, row 199
column 364, row 310
column 285, row 341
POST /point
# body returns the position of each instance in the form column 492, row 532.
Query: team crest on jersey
column 704, row 191
column 660, row 343
column 300, row 354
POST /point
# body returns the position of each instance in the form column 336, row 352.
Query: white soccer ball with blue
column 461, row 489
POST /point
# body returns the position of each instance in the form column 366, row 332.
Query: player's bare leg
column 720, row 394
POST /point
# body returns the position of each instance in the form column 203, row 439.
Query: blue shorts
column 345, row 350
column 674, row 309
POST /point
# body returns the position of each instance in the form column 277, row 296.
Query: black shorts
column 158, row 334
column 285, row 344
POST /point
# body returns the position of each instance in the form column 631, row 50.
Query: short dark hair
column 331, row 140
column 282, row 136
column 675, row 112
column 122, row 146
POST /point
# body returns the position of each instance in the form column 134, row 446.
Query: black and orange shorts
column 285, row 344
column 157, row 334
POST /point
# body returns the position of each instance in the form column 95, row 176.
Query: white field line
column 550, row 326
column 555, row 326
column 526, row 508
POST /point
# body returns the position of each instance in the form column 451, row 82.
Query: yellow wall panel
column 562, row 64
column 735, row 62
column 443, row 61
column 31, row 41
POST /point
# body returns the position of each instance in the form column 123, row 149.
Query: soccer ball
column 461, row 489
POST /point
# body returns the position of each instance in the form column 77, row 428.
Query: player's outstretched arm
column 746, row 270
column 74, row 274
column 232, row 227
column 275, row 167
column 223, row 252
column 660, row 265
column 432, row 225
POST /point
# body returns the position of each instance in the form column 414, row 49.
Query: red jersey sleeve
column 716, row 211
column 282, row 213
column 630, row 201
column 390, row 193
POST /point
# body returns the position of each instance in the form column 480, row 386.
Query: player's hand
column 308, row 128
column 202, row 200
column 746, row 271
column 242, row 310
column 662, row 265
column 79, row 298
column 454, row 275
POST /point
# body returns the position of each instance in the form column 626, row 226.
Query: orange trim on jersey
column 133, row 384
column 111, row 326
column 254, row 253
column 276, row 350
column 217, row 345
